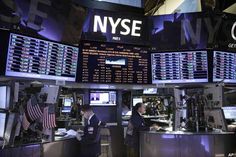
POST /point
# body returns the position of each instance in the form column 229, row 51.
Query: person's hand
column 154, row 127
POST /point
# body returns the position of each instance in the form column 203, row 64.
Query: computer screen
column 179, row 67
column 5, row 97
column 229, row 112
column 137, row 100
column 224, row 69
column 35, row 58
column 2, row 124
column 150, row 91
column 102, row 98
column 67, row 103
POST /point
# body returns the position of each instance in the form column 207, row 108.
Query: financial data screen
column 224, row 67
column 35, row 58
column 114, row 63
column 179, row 67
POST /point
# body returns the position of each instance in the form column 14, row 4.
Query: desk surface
column 187, row 133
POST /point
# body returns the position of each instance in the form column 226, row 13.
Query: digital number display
column 35, row 58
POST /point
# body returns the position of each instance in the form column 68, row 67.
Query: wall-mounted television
column 224, row 69
column 102, row 98
column 179, row 67
column 30, row 57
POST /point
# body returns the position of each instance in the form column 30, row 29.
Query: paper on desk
column 71, row 133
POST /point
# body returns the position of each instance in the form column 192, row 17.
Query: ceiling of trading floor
column 160, row 7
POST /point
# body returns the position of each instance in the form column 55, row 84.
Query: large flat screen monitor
column 2, row 124
column 179, row 67
column 224, row 69
column 102, row 98
column 35, row 58
column 114, row 63
column 229, row 112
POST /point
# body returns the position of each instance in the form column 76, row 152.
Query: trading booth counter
column 186, row 144
column 60, row 147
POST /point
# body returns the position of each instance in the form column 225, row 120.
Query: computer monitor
column 67, row 103
column 137, row 100
column 150, row 91
column 229, row 112
column 103, row 98
column 2, row 124
column 5, row 97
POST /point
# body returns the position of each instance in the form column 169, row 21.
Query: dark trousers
column 132, row 152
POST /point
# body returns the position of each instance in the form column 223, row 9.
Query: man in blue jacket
column 90, row 141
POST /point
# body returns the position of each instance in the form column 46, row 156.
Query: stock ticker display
column 114, row 63
column 224, row 67
column 35, row 58
column 179, row 67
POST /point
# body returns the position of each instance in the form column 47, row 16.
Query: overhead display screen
column 224, row 67
column 35, row 58
column 179, row 67
column 114, row 63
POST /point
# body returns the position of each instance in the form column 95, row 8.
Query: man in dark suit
column 136, row 124
column 90, row 141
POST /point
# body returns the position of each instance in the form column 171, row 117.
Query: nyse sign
column 233, row 31
column 125, row 26
column 194, row 32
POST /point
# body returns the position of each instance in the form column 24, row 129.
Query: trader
column 136, row 124
column 90, row 141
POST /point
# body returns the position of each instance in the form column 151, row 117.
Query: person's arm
column 138, row 123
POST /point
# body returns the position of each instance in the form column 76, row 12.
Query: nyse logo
column 124, row 23
column 233, row 31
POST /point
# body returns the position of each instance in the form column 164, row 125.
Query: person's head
column 140, row 107
column 86, row 111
